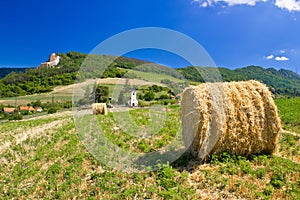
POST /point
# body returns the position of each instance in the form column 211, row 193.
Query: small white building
column 39, row 109
column 52, row 61
column 133, row 102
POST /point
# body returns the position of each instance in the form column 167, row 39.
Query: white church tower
column 133, row 102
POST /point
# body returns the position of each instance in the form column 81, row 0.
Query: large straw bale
column 237, row 117
column 99, row 108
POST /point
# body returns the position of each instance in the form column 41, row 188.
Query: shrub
column 15, row 116
column 164, row 96
column 52, row 110
column 277, row 180
column 166, row 177
column 260, row 173
column 149, row 96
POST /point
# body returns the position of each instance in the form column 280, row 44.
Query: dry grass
column 237, row 117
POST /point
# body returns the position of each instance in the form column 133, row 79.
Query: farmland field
column 65, row 93
column 43, row 158
column 153, row 77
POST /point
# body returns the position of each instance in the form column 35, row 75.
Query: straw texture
column 99, row 108
column 240, row 118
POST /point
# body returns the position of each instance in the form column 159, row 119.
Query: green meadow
column 44, row 158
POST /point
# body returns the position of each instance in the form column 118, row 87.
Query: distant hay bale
column 240, row 118
column 99, row 108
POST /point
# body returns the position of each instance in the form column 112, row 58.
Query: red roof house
column 9, row 110
column 28, row 108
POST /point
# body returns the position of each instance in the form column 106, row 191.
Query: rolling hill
column 37, row 80
column 282, row 81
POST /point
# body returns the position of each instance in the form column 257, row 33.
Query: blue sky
column 236, row 33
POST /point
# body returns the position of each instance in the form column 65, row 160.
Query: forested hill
column 41, row 80
column 5, row 71
column 283, row 81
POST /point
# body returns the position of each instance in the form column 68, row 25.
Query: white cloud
column 282, row 58
column 240, row 2
column 270, row 57
column 290, row 5
column 206, row 3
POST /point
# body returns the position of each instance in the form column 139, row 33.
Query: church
column 133, row 102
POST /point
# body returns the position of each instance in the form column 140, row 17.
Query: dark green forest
column 39, row 80
column 5, row 71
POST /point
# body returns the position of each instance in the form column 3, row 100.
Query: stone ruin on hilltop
column 52, row 61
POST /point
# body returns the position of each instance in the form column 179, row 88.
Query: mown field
column 43, row 158
column 152, row 76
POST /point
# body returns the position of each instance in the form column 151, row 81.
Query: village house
column 39, row 109
column 27, row 108
column 9, row 110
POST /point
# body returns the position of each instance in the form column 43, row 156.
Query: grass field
column 65, row 93
column 289, row 111
column 44, row 158
column 153, row 77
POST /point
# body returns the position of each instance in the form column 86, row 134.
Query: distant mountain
column 38, row 80
column 282, row 81
column 6, row 71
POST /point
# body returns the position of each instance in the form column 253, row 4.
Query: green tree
column 101, row 94
column 36, row 103
column 122, row 100
column 149, row 96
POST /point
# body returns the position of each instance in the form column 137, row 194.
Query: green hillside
column 37, row 80
column 40, row 80
column 150, row 76
column 283, row 81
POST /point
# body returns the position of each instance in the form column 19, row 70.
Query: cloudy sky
column 236, row 33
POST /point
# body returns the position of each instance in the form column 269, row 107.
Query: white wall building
column 52, row 61
column 133, row 102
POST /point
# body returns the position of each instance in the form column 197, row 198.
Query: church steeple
column 133, row 102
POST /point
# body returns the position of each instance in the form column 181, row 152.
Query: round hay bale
column 99, row 108
column 240, row 118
